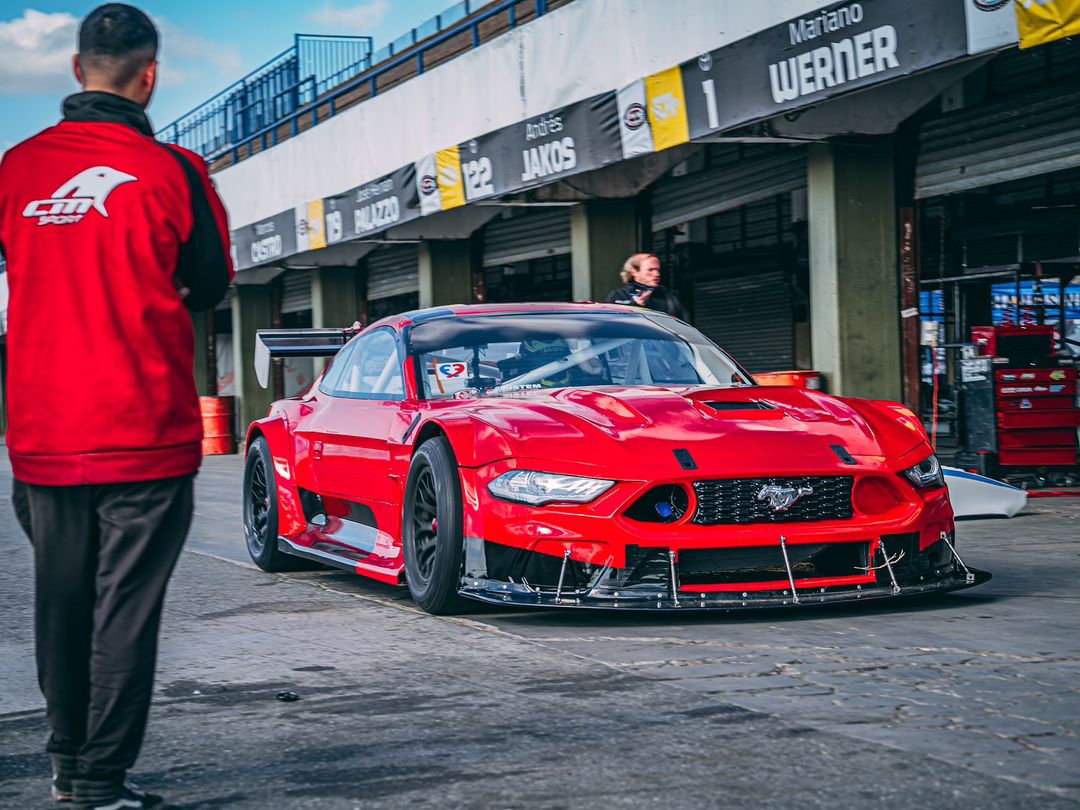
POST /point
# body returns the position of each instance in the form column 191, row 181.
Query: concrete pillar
column 603, row 234
column 252, row 309
column 333, row 297
column 445, row 272
column 333, row 301
column 205, row 362
column 854, row 285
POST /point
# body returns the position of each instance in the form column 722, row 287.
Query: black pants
column 103, row 555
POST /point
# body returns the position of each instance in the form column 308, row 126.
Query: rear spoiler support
column 273, row 343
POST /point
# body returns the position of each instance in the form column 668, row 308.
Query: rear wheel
column 261, row 511
column 431, row 534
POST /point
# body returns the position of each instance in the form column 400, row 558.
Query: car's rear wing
column 271, row 343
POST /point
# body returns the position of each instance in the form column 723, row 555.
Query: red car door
column 351, row 433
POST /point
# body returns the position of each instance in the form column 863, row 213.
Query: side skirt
column 324, row 557
column 365, row 564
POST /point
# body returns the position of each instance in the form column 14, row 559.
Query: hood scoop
column 749, row 405
column 744, row 409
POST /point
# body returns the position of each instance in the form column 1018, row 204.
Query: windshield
column 488, row 355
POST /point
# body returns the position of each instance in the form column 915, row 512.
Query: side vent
column 686, row 461
column 843, row 454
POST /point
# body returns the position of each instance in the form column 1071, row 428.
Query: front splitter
column 523, row 595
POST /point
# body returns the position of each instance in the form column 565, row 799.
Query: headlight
column 536, row 488
column 926, row 474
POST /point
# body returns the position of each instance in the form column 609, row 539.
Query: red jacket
column 100, row 225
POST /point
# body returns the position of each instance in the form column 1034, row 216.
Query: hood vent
column 752, row 405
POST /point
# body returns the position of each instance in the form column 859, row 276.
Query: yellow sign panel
column 1042, row 21
column 315, row 225
column 667, row 108
column 448, row 173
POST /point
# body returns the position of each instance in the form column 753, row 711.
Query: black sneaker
column 64, row 768
column 61, row 789
column 127, row 797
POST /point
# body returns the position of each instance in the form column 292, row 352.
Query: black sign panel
column 265, row 241
column 829, row 52
column 577, row 138
column 372, row 207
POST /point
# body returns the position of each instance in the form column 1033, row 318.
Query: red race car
column 587, row 455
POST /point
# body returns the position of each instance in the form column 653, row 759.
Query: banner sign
column 806, row 60
column 577, row 138
column 373, row 207
column 265, row 241
column 1042, row 21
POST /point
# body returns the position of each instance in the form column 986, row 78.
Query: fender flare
column 279, row 440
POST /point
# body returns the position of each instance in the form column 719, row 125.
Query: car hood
column 633, row 432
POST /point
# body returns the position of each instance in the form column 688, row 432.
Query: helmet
column 541, row 350
column 550, row 348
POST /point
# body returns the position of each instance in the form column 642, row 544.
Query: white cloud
column 37, row 49
column 359, row 19
column 185, row 55
column 35, row 58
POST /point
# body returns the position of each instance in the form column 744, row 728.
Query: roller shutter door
column 1030, row 129
column 392, row 271
column 735, row 183
column 996, row 143
column 750, row 317
column 530, row 234
column 295, row 291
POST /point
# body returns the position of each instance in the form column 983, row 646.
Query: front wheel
column 261, row 510
column 431, row 535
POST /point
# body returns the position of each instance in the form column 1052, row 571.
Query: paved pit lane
column 968, row 699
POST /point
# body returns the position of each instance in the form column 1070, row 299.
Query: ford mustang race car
column 587, row 455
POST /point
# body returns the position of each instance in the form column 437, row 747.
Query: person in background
column 109, row 236
column 642, row 288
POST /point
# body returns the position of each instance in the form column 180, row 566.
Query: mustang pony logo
column 88, row 189
column 782, row 498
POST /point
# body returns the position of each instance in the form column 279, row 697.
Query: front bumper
column 524, row 595
column 656, row 582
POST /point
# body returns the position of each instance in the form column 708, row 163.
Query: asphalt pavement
column 971, row 699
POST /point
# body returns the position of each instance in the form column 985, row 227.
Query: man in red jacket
column 109, row 236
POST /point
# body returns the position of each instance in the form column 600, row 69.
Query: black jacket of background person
column 662, row 299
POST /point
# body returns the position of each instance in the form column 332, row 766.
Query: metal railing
column 429, row 28
column 205, row 130
column 267, row 95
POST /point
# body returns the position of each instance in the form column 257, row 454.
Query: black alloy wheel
column 431, row 532
column 261, row 510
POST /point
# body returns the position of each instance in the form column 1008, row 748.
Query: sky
column 206, row 45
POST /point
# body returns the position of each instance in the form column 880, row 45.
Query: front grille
column 736, row 500
column 715, row 566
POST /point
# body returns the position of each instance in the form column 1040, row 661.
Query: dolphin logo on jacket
column 74, row 198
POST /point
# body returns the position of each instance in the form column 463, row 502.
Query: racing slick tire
column 261, row 511
column 431, row 532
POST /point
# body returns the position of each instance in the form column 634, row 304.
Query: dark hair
column 115, row 42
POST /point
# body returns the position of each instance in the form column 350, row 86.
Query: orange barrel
column 217, row 419
column 799, row 379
